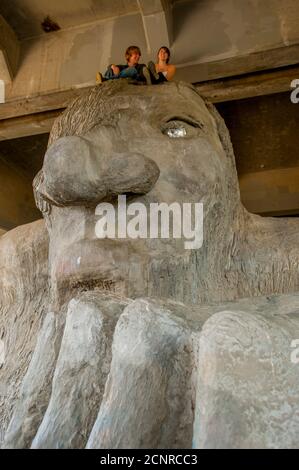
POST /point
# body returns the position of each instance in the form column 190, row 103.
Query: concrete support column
column 9, row 52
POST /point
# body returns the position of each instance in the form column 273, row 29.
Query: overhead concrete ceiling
column 249, row 21
column 26, row 16
column 209, row 39
column 201, row 33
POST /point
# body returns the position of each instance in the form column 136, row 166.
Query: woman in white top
column 162, row 71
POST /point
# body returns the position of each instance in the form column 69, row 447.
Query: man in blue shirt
column 132, row 70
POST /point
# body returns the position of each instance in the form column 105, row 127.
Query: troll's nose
column 76, row 173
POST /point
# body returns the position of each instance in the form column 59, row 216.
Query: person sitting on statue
column 162, row 71
column 132, row 70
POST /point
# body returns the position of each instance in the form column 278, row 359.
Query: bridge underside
column 243, row 59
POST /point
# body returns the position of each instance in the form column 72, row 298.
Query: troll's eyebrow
column 184, row 118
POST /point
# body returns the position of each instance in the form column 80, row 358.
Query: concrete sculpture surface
column 142, row 343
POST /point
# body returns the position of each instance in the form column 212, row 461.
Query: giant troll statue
column 128, row 342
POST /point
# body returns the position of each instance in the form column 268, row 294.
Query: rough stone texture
column 36, row 386
column 247, row 391
column 81, row 372
column 147, row 402
column 94, row 176
column 158, row 353
column 254, row 256
column 24, row 301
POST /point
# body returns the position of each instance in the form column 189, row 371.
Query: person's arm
column 171, row 72
column 115, row 69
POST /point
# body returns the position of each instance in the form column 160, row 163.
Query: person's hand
column 115, row 69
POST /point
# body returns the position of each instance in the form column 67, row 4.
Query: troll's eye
column 178, row 129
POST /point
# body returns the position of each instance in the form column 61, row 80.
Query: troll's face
column 155, row 144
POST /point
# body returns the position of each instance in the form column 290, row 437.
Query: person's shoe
column 152, row 68
column 99, row 78
column 147, row 75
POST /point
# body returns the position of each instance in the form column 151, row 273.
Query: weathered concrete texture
column 92, row 46
column 9, row 51
column 80, row 373
column 142, row 392
column 229, row 364
column 212, row 39
column 81, row 11
column 247, row 391
column 254, row 256
column 23, row 303
column 36, row 387
column 157, row 22
column 94, row 176
column 147, row 401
